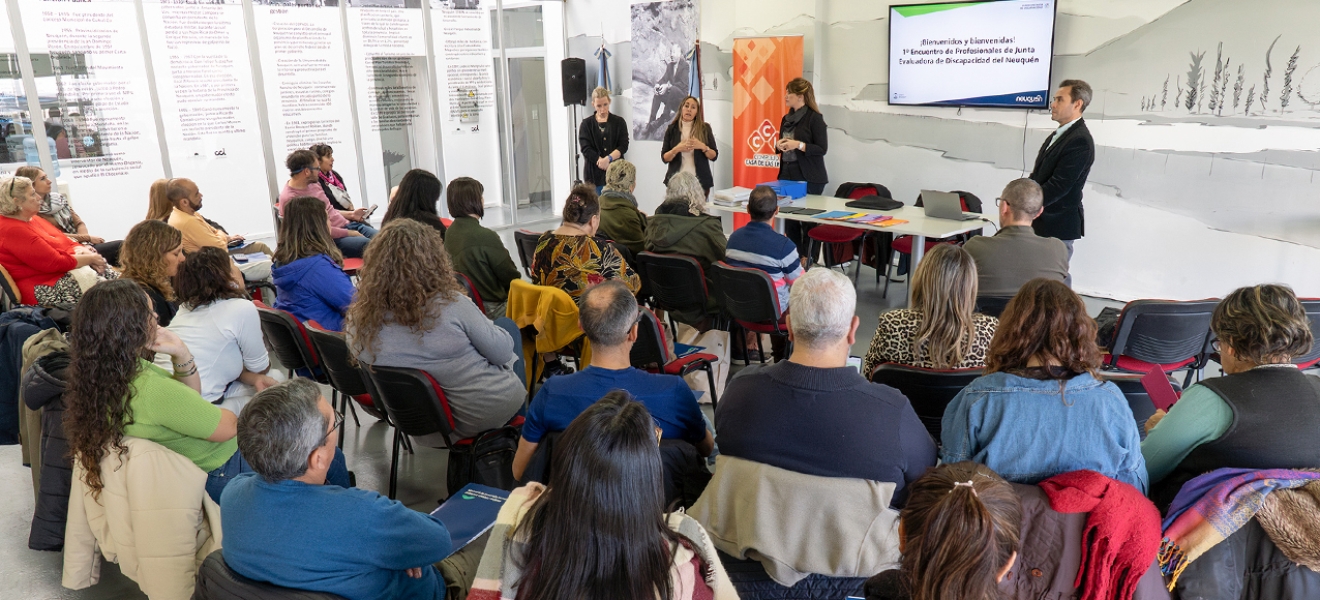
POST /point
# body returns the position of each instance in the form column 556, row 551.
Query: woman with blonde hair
column 942, row 330
column 57, row 211
column 603, row 139
column 404, row 316
column 1041, row 408
column 159, row 206
column 151, row 256
column 309, row 273
column 40, row 258
column 689, row 144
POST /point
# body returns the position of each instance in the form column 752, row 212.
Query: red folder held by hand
column 1159, row 389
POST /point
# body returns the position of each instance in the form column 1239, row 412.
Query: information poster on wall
column 762, row 66
column 388, row 46
column 96, row 105
column 465, row 78
column 305, row 76
column 13, row 103
column 203, row 74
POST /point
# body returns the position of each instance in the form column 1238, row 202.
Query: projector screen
column 989, row 53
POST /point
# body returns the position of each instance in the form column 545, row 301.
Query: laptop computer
column 945, row 205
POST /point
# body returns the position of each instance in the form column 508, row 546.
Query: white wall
column 1179, row 205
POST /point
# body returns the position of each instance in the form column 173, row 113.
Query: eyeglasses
column 339, row 422
column 999, row 202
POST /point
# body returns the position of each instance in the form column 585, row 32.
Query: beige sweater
column 153, row 518
column 796, row 524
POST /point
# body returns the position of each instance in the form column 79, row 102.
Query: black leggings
column 797, row 230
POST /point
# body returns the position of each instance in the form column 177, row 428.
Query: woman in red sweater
column 37, row 255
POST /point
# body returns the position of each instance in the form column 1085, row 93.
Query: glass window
column 522, row 28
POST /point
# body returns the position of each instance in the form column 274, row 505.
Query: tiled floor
column 33, row 575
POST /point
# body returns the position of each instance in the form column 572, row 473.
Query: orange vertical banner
column 762, row 66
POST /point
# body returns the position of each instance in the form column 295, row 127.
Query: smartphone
column 371, row 211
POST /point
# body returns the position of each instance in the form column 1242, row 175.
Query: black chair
column 415, row 405
column 216, row 581
column 678, row 283
column 992, row 306
column 526, row 242
column 929, row 390
column 1138, row 399
column 751, row 301
column 651, row 353
column 1311, row 359
column 345, row 378
column 903, row 244
column 471, row 291
column 1165, row 333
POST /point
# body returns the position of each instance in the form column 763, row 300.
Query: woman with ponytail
column 958, row 534
column 803, row 142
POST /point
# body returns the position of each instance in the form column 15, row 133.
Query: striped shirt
column 758, row 246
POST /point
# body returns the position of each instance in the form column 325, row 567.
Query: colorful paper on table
column 890, row 223
column 871, row 219
column 470, row 513
column 837, row 214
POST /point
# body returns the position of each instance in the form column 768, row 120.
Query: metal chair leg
column 759, row 350
column 394, row 464
column 352, row 409
column 714, row 398
column 334, row 403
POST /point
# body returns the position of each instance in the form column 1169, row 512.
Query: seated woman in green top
column 478, row 252
column 1262, row 414
column 114, row 391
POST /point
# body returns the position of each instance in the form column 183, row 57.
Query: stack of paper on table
column 733, row 196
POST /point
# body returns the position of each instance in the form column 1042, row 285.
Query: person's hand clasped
column 235, row 238
column 415, row 572
column 264, row 381
column 95, row 239
column 352, row 233
column 603, row 163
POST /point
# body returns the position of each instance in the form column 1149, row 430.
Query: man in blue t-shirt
column 609, row 315
column 285, row 526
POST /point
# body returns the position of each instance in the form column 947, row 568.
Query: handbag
column 488, row 460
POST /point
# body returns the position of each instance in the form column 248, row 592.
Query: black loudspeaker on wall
column 574, row 72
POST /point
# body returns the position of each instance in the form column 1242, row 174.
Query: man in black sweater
column 813, row 414
column 1063, row 163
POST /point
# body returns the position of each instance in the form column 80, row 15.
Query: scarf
column 1121, row 536
column 791, row 121
column 331, row 178
column 1213, row 506
column 56, row 206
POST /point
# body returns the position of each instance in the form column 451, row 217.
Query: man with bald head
column 198, row 231
column 1015, row 254
column 609, row 316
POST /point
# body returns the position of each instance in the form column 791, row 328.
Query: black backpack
column 488, row 460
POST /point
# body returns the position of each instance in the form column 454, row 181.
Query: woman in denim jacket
column 1040, row 409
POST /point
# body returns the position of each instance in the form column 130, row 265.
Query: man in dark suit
column 1063, row 163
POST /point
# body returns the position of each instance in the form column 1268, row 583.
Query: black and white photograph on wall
column 662, row 35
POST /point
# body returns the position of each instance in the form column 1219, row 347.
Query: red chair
column 447, row 222
column 752, row 302
column 337, row 362
column 288, row 338
column 352, row 266
column 677, row 281
column 651, row 353
column 1167, row 334
column 471, row 291
column 417, row 406
column 842, row 242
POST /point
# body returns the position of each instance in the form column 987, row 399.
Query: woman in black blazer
column 802, row 144
column 690, row 144
column 603, row 138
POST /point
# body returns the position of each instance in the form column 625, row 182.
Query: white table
column 918, row 225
